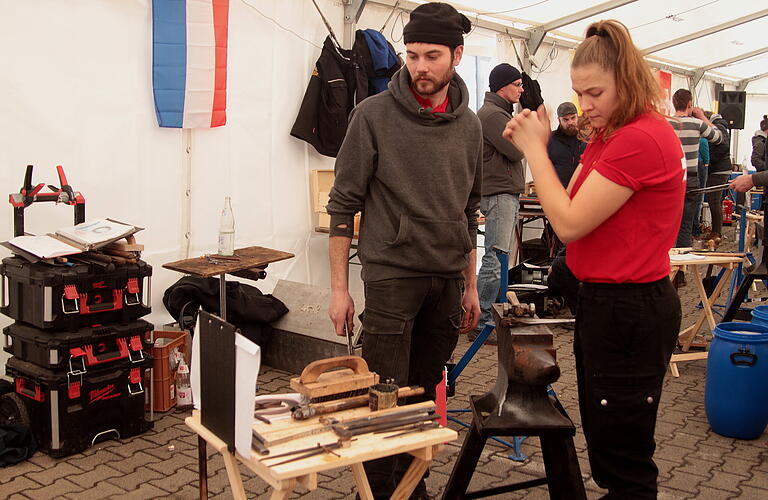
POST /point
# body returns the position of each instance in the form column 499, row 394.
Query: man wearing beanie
column 565, row 147
column 416, row 244
column 503, row 181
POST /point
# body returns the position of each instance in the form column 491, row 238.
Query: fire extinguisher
column 727, row 211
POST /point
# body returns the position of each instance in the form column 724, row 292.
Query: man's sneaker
column 491, row 340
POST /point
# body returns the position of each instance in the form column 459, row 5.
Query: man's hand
column 742, row 183
column 342, row 310
column 698, row 113
column 528, row 129
column 470, row 303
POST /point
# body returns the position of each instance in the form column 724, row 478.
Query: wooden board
column 249, row 257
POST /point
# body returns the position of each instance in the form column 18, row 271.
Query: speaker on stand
column 732, row 107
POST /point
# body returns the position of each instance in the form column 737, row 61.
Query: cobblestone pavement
column 693, row 461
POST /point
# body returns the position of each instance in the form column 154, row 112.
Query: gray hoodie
column 416, row 176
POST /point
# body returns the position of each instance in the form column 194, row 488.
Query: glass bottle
column 227, row 229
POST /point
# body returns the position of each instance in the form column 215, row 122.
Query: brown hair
column 764, row 123
column 608, row 44
column 681, row 98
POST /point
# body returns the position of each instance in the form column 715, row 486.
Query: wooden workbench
column 283, row 478
column 728, row 263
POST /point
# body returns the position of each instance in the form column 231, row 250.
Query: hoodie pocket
column 430, row 245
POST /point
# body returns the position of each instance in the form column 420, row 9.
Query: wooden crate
column 321, row 182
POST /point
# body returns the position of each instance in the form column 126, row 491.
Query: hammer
column 517, row 314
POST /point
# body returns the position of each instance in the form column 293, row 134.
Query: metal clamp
column 73, row 371
column 75, row 302
column 132, row 299
column 136, row 360
column 69, row 381
column 130, row 389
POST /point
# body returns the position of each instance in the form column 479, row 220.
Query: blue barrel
column 760, row 316
column 736, row 395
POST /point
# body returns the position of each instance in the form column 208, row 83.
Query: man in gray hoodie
column 411, row 162
column 503, row 181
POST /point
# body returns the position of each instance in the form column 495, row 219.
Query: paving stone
column 60, row 487
column 140, row 491
column 129, row 448
column 89, row 462
column 725, row 481
column 684, row 481
column 17, row 484
column 89, row 479
column 50, row 475
column 708, row 493
column 19, row 469
column 98, row 492
column 738, row 466
column 176, row 481
column 129, row 481
column 752, row 493
column 137, row 461
column 697, row 466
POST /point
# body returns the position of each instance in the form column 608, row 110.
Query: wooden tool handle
column 327, row 407
column 316, row 368
column 512, row 298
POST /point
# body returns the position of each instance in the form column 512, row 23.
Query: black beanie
column 502, row 75
column 438, row 23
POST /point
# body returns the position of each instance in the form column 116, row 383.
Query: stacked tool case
column 80, row 353
column 79, row 348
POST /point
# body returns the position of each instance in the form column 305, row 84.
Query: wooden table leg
column 285, row 491
column 202, row 467
column 361, row 479
column 707, row 303
column 233, row 473
column 411, row 479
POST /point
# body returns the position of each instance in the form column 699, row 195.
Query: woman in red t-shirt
column 619, row 216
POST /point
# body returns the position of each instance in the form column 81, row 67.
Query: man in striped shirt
column 690, row 124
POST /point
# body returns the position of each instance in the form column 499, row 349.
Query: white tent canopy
column 77, row 91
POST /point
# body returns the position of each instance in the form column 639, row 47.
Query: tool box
column 74, row 295
column 80, row 351
column 69, row 412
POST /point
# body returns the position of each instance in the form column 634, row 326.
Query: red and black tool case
column 83, row 350
column 69, row 412
column 74, row 295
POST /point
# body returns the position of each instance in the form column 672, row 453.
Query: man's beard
column 426, row 86
column 570, row 129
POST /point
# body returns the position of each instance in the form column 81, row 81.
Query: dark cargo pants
column 410, row 328
column 624, row 337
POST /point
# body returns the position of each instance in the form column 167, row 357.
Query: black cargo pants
column 624, row 337
column 410, row 328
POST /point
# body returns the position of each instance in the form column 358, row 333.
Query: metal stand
column 517, row 441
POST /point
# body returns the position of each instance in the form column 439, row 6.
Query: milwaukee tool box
column 80, row 351
column 69, row 296
column 69, row 412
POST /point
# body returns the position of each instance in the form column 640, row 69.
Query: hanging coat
column 336, row 85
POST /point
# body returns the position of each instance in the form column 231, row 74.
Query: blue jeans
column 500, row 211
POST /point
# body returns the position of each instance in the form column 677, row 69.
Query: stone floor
column 694, row 462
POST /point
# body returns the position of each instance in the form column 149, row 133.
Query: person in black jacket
column 565, row 147
column 719, row 170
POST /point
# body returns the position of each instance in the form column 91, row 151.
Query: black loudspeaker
column 732, row 107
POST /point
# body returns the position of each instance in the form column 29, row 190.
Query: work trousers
column 500, row 211
column 410, row 328
column 715, row 199
column 624, row 337
column 703, row 176
column 685, row 235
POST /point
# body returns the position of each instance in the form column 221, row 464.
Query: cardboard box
column 321, row 182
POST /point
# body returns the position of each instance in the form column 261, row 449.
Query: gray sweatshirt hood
column 762, row 134
column 458, row 99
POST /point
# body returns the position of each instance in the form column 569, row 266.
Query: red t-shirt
column 632, row 245
column 426, row 103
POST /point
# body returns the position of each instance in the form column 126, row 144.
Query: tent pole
column 186, row 195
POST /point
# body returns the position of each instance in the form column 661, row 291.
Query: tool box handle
column 105, row 357
column 316, row 368
column 29, row 194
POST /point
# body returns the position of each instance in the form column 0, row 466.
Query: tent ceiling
column 738, row 27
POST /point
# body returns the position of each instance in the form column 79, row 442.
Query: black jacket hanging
column 338, row 82
column 531, row 98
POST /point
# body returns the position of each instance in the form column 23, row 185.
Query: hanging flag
column 189, row 62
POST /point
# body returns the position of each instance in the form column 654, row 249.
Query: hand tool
column 344, row 444
column 420, row 427
column 348, row 334
column 323, row 380
column 709, row 189
column 315, row 409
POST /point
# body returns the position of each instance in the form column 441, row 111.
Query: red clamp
column 133, row 285
column 74, row 390
column 70, row 292
column 136, row 344
column 135, row 376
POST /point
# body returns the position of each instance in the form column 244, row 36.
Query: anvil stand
column 520, row 404
column 517, row 441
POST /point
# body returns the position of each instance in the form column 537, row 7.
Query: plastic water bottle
column 183, row 387
column 227, row 229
